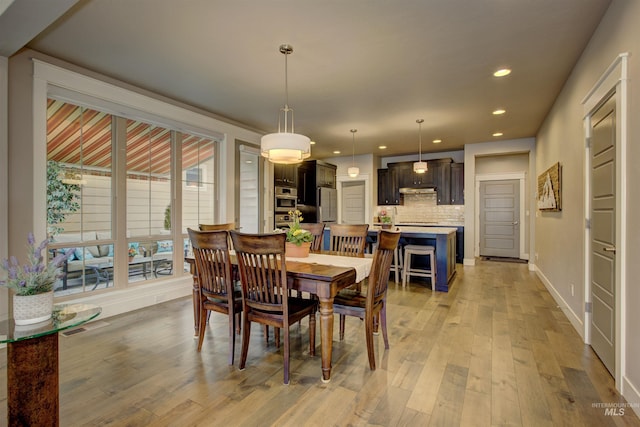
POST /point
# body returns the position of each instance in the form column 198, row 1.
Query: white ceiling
column 373, row 65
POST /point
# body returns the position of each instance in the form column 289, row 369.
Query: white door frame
column 367, row 193
column 615, row 78
column 499, row 177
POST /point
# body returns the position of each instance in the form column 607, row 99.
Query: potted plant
column 298, row 240
column 385, row 219
column 132, row 253
column 32, row 283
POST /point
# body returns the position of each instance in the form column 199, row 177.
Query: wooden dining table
column 323, row 275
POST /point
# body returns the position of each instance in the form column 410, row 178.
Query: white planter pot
column 31, row 309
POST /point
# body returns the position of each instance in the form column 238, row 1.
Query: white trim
column 4, row 175
column 521, row 177
column 631, row 394
column 367, row 192
column 573, row 317
column 614, row 79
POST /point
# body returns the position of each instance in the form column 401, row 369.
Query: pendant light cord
column 419, row 121
column 353, row 147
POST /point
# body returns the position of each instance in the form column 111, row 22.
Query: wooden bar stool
column 419, row 250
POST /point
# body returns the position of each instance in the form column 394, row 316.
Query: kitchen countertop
column 423, row 229
column 424, row 224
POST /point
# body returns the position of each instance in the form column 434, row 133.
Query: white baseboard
column 136, row 297
column 574, row 318
column 469, row 261
column 632, row 395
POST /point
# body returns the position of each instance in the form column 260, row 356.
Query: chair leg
column 202, row 326
column 383, row 324
column 276, row 332
column 232, row 336
column 368, row 330
column 286, row 354
column 246, row 334
column 342, row 318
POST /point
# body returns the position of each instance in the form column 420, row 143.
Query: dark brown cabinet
column 285, row 175
column 325, row 175
column 442, row 174
column 388, row 193
column 457, row 183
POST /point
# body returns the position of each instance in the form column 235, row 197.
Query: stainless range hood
column 407, row 190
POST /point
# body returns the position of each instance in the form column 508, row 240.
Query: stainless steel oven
column 285, row 199
column 282, row 220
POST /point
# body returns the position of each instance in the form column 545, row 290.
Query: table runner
column 361, row 265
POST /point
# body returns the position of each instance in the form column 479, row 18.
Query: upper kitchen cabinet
column 285, row 175
column 325, row 174
column 388, row 193
column 457, row 183
column 407, row 178
column 441, row 170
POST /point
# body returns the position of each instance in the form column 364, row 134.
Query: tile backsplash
column 425, row 208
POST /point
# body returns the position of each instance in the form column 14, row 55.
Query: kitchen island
column 444, row 240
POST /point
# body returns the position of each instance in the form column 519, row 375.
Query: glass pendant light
column 420, row 166
column 285, row 146
column 353, row 171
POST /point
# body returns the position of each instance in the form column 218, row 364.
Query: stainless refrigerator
column 327, row 204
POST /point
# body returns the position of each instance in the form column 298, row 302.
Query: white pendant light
column 420, row 166
column 285, row 146
column 353, row 171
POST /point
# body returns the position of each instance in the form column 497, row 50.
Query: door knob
column 610, row 249
column 514, row 223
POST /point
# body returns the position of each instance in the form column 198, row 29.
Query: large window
column 82, row 149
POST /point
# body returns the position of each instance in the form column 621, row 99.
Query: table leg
column 326, row 336
column 32, row 382
column 196, row 307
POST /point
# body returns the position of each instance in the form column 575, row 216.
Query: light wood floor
column 495, row 350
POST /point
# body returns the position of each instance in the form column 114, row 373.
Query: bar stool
column 396, row 264
column 419, row 250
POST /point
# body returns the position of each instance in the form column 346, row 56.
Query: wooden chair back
column 317, row 229
column 378, row 280
column 263, row 273
column 217, row 227
column 213, row 266
column 348, row 239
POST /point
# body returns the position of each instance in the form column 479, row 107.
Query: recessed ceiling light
column 437, row 141
column 312, row 142
column 336, row 152
column 502, row 72
column 498, row 134
column 498, row 112
column 382, row 147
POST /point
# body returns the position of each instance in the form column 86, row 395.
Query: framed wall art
column 549, row 189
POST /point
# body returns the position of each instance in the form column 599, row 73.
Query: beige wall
column 559, row 236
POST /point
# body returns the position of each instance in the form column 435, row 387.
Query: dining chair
column 265, row 294
column 216, row 285
column 372, row 304
column 317, row 229
column 348, row 239
column 217, row 227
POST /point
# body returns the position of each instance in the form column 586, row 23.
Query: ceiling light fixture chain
column 353, row 171
column 420, row 166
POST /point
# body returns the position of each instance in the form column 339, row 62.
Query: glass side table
column 32, row 364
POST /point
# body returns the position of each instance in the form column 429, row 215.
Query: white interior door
column 248, row 183
column 353, row 202
column 500, row 218
column 603, row 233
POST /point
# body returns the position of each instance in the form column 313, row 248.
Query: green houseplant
column 298, row 240
column 32, row 283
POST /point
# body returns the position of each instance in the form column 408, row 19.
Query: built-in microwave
column 285, row 199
